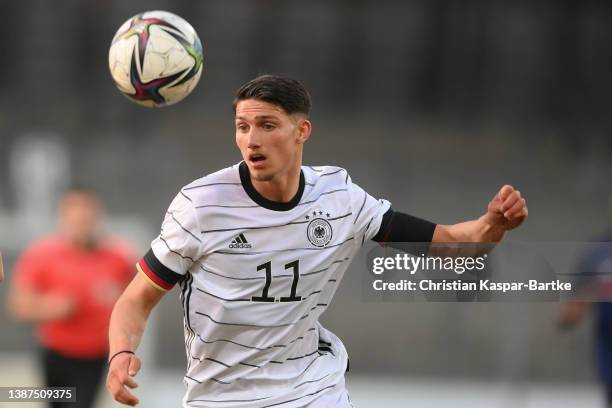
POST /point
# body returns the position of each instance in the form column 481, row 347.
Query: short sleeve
column 176, row 248
column 368, row 211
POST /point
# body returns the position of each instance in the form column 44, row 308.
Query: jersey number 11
column 296, row 277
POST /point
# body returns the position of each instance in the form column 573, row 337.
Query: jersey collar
column 245, row 179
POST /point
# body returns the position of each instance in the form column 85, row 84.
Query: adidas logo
column 239, row 242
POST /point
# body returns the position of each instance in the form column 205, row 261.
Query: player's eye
column 242, row 127
column 268, row 126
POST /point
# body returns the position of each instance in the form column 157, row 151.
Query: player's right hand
column 119, row 379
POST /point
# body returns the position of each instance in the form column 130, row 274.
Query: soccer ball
column 156, row 58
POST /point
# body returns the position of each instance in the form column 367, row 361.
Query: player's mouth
column 257, row 160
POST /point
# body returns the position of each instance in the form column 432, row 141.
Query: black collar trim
column 245, row 178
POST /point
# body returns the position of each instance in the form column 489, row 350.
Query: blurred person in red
column 66, row 284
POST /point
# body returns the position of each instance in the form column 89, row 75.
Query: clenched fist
column 507, row 210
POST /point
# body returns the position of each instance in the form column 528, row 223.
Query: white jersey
column 255, row 276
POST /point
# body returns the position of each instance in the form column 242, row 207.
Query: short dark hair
column 287, row 93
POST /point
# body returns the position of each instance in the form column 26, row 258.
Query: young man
column 67, row 284
column 259, row 249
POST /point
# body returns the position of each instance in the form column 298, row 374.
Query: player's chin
column 261, row 174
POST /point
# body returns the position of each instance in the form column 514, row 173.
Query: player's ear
column 304, row 129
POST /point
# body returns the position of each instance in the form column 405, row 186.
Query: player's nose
column 253, row 139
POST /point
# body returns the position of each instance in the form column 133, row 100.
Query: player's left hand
column 507, row 210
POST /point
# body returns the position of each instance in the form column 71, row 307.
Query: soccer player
column 67, row 284
column 595, row 278
column 258, row 250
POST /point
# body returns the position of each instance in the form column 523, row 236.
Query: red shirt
column 94, row 279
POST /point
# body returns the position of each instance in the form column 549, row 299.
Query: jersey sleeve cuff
column 157, row 273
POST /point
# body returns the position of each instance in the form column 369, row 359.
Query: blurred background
column 432, row 104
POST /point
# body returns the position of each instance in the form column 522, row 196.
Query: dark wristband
column 110, row 360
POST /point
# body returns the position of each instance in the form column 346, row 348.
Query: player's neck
column 282, row 188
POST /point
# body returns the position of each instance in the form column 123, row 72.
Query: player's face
column 269, row 139
column 80, row 217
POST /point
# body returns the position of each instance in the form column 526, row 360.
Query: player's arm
column 30, row 305
column 28, row 298
column 585, row 286
column 572, row 313
column 171, row 255
column 506, row 211
column 127, row 325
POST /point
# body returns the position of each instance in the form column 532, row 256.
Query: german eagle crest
column 319, row 232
